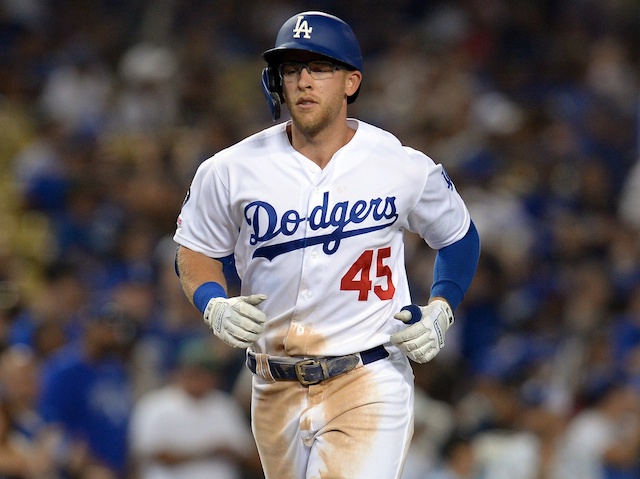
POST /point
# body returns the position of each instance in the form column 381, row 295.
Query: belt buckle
column 300, row 373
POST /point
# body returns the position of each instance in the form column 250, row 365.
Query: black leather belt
column 310, row 371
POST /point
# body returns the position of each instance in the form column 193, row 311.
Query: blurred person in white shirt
column 190, row 429
column 604, row 434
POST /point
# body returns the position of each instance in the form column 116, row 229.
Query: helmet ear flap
column 272, row 89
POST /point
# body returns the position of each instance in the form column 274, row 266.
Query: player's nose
column 305, row 77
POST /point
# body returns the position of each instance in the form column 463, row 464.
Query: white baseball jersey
column 325, row 245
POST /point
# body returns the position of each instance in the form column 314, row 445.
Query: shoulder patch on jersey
column 447, row 179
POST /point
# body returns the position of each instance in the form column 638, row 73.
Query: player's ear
column 352, row 82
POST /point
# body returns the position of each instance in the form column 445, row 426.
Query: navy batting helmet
column 315, row 32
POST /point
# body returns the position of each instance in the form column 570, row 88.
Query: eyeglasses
column 319, row 70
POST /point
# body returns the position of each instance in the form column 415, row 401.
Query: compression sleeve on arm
column 454, row 267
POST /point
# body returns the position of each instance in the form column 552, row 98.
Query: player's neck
column 320, row 147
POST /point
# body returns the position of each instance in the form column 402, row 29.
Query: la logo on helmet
column 302, row 27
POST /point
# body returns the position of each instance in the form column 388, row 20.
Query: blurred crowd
column 108, row 106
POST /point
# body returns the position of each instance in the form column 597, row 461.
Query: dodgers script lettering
column 267, row 224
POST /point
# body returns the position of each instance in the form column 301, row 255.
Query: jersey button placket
column 311, row 253
column 296, row 339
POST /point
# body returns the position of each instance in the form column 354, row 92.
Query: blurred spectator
column 434, row 421
column 457, row 460
column 10, row 303
column 603, row 440
column 39, row 169
column 503, row 449
column 87, row 396
column 190, row 429
column 547, row 420
column 20, row 459
column 35, row 447
column 630, row 196
column 53, row 318
column 20, row 386
column 77, row 90
column 623, row 258
column 148, row 101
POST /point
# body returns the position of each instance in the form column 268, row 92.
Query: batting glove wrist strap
column 237, row 321
column 205, row 292
column 422, row 341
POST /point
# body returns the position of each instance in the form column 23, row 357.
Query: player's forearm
column 455, row 267
column 195, row 269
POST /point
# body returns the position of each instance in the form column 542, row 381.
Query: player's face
column 316, row 98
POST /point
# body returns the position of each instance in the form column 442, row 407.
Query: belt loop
column 262, row 367
column 373, row 354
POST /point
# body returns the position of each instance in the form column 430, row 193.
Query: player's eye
column 319, row 70
column 320, row 67
column 290, row 70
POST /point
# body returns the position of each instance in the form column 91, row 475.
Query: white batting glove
column 425, row 338
column 236, row 321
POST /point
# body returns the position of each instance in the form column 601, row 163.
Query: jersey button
column 314, row 255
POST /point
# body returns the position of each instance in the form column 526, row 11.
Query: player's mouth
column 306, row 103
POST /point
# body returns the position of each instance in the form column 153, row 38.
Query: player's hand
column 425, row 338
column 236, row 321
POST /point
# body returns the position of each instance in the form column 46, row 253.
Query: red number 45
column 358, row 278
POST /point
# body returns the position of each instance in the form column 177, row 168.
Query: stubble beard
column 311, row 125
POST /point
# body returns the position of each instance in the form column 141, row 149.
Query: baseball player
column 313, row 212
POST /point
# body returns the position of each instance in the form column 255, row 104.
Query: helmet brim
column 275, row 56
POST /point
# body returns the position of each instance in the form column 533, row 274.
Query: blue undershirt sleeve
column 454, row 268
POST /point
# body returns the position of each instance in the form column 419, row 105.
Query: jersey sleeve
column 440, row 216
column 205, row 223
